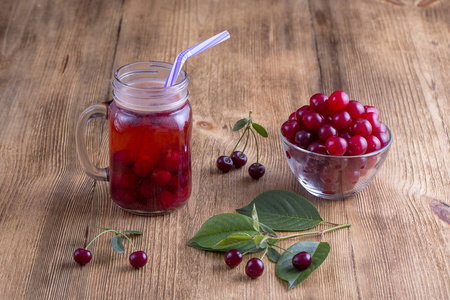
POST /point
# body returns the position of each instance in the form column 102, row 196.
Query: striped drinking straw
column 184, row 55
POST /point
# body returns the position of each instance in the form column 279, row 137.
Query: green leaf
column 240, row 124
column 117, row 244
column 244, row 247
column 284, row 211
column 287, row 272
column 220, row 227
column 261, row 241
column 259, row 129
column 133, row 232
column 255, row 219
column 273, row 254
column 235, row 238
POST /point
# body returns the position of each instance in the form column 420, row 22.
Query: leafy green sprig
column 253, row 231
column 250, row 127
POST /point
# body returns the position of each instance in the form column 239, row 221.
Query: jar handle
column 93, row 111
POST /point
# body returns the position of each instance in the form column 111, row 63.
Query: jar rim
column 179, row 85
column 153, row 97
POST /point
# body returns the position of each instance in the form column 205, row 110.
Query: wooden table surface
column 58, row 57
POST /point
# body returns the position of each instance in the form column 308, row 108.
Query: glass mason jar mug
column 149, row 139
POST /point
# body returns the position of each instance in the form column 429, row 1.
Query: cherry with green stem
column 137, row 259
column 238, row 158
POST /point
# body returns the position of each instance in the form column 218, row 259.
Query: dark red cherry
column 138, row 259
column 254, row 268
column 82, row 256
column 224, row 163
column 301, row 261
column 233, row 258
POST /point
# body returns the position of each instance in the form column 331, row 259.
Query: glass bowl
column 334, row 177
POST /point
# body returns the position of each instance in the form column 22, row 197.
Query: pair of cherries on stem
column 137, row 259
column 255, row 267
column 238, row 158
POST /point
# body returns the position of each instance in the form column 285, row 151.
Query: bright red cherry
column 355, row 109
column 357, row 145
column 370, row 109
column 319, row 103
column 383, row 137
column 313, row 120
column 341, row 119
column 289, row 128
column 301, row 112
column 337, row 101
column 374, row 121
column 361, row 127
column 124, row 158
column 336, row 146
column 373, row 143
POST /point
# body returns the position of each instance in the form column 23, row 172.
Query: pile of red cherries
column 336, row 125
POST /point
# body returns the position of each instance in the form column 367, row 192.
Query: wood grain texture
column 58, row 57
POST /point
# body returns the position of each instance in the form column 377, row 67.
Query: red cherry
column 317, row 147
column 170, row 160
column 341, row 119
column 345, row 135
column 161, row 177
column 337, row 101
column 127, row 179
column 373, row 120
column 357, row 145
column 336, row 146
column 166, row 199
column 147, row 189
column 319, row 103
column 292, row 117
column 143, row 166
column 383, row 137
column 301, row 112
column 370, row 109
column 328, row 174
column 326, row 131
column 355, row 109
column 361, row 127
column 373, row 143
column 289, row 128
column 123, row 158
column 313, row 120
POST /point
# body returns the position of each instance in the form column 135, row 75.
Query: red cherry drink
column 150, row 163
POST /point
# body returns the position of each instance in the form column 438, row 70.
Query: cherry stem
column 265, row 251
column 257, row 148
column 246, row 142
column 239, row 140
column 134, row 248
column 116, row 232
column 284, row 249
column 109, row 230
column 314, row 232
